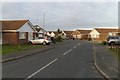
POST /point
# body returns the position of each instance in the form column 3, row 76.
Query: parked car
column 113, row 40
column 41, row 40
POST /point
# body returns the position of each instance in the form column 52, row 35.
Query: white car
column 113, row 40
column 40, row 40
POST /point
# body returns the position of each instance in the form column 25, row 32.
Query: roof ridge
column 105, row 28
column 83, row 29
column 13, row 24
column 14, row 20
column 67, row 30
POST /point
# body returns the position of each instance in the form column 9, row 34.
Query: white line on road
column 41, row 69
column 67, row 52
column 74, row 46
column 79, row 44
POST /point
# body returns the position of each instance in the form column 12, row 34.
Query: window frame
column 22, row 35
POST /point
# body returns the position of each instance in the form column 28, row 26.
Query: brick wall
column 10, row 37
column 13, row 38
column 102, row 37
column 84, row 37
column 68, row 35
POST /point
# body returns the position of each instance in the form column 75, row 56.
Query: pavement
column 106, row 62
column 68, row 59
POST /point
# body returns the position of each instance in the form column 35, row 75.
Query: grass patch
column 0, row 49
column 115, row 53
column 7, row 49
column 103, row 43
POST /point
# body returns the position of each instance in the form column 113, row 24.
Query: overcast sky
column 64, row 15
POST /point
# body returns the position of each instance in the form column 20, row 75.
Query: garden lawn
column 114, row 52
column 9, row 49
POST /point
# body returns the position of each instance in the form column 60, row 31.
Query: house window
column 94, row 36
column 110, row 34
column 74, row 36
column 97, row 36
column 22, row 35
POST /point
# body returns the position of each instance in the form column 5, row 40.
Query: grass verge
column 114, row 51
column 9, row 49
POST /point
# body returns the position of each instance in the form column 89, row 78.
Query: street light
column 44, row 19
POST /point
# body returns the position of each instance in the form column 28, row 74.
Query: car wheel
column 30, row 42
column 48, row 44
column 44, row 43
column 112, row 43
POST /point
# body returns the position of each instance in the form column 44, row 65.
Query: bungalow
column 114, row 33
column 40, row 31
column 52, row 33
column 117, row 33
column 81, row 34
column 63, row 35
column 68, row 34
column 55, row 34
column 100, row 34
column 17, row 31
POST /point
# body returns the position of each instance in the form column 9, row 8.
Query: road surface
column 69, row 59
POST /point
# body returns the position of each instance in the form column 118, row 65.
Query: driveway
column 69, row 59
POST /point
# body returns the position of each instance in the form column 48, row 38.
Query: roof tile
column 12, row 24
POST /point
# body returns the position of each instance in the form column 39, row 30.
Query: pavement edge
column 97, row 67
column 18, row 57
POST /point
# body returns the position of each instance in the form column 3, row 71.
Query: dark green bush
column 58, row 39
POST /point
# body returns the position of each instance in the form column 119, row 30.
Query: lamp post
column 44, row 22
column 43, row 19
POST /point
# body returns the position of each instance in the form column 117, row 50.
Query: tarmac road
column 69, row 59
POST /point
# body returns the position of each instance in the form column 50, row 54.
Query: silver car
column 41, row 40
column 113, row 40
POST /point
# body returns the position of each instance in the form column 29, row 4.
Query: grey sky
column 64, row 15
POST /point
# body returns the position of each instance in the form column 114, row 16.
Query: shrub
column 58, row 39
column 104, row 42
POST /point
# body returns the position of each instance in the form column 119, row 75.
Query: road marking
column 79, row 44
column 41, row 69
column 74, row 46
column 67, row 52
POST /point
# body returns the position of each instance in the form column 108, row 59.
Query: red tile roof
column 12, row 24
column 68, row 33
column 84, row 31
column 106, row 30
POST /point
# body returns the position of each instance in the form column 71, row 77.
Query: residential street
column 69, row 59
column 59, row 39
